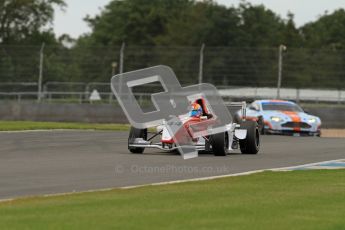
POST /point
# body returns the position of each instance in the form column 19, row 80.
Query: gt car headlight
column 276, row 119
column 312, row 120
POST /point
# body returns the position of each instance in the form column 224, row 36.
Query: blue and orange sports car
column 282, row 117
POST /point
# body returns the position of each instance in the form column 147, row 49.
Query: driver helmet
column 196, row 110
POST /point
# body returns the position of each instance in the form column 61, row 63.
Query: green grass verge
column 30, row 125
column 270, row 200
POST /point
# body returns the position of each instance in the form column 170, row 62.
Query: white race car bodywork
column 233, row 131
column 167, row 142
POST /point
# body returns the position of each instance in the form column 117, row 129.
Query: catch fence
column 48, row 73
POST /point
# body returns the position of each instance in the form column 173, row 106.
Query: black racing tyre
column 136, row 133
column 220, row 144
column 250, row 145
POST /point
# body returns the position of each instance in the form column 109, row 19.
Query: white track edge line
column 171, row 182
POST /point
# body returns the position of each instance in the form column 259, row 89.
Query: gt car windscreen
column 281, row 107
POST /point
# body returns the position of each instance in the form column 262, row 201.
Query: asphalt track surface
column 49, row 162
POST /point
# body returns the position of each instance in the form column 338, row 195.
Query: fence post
column 122, row 51
column 45, row 88
column 40, row 77
column 87, row 91
column 201, row 63
column 282, row 48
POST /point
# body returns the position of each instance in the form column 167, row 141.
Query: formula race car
column 281, row 117
column 244, row 134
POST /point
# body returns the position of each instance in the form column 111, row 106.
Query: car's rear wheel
column 133, row 134
column 251, row 144
column 220, row 144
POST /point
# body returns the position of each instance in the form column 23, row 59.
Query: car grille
column 302, row 125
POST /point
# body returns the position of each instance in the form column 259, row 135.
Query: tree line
column 246, row 36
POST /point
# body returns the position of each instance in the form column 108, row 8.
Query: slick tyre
column 136, row 133
column 250, row 145
column 219, row 143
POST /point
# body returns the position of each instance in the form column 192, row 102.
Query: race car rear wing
column 241, row 104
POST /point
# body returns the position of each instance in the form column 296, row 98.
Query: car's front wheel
column 133, row 134
column 220, row 144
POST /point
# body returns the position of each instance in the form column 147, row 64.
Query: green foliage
column 292, row 36
column 134, row 21
column 260, row 27
column 201, row 22
column 18, row 64
column 24, row 19
column 327, row 32
column 187, row 23
column 24, row 22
